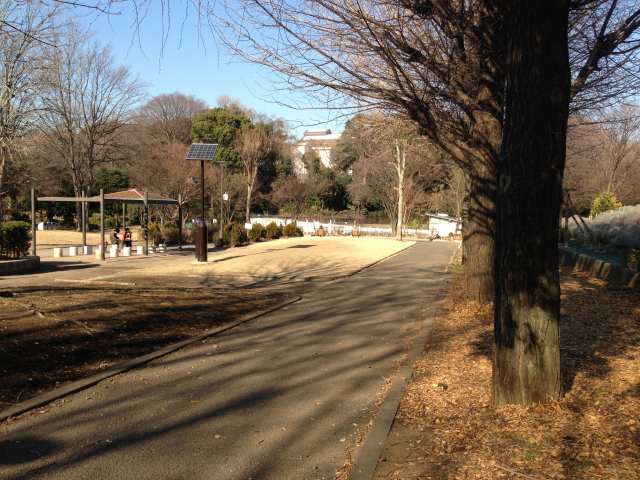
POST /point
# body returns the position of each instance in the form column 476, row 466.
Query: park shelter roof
column 133, row 195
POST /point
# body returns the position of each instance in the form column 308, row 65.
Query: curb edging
column 609, row 272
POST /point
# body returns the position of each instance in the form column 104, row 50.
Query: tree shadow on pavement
column 280, row 394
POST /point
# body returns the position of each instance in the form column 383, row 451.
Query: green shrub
column 273, row 231
column 292, row 230
column 257, row 232
column 234, row 235
column 604, row 202
column 15, row 239
column 414, row 223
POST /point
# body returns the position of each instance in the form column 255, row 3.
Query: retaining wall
column 598, row 268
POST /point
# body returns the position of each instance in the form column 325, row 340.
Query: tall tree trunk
column 400, row 168
column 247, row 212
column 527, row 357
column 4, row 158
column 486, row 138
column 478, row 237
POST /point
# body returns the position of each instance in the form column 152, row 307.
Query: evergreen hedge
column 15, row 239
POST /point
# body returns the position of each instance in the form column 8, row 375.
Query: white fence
column 309, row 227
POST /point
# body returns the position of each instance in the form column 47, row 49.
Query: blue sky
column 192, row 63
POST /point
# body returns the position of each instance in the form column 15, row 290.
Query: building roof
column 319, row 136
column 442, row 216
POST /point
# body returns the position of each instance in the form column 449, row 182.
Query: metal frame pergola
column 131, row 196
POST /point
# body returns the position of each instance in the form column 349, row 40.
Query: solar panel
column 202, row 151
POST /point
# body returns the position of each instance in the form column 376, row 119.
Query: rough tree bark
column 527, row 357
column 487, row 63
column 477, row 237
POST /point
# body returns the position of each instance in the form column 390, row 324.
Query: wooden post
column 221, row 200
column 33, row 222
column 202, row 189
column 179, row 222
column 124, row 215
column 146, row 216
column 102, row 242
column 84, row 219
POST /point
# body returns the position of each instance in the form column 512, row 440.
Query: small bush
column 273, row 231
column 155, row 233
column 292, row 230
column 234, row 235
column 604, row 202
column 15, row 239
column 414, row 223
column 257, row 232
column 109, row 221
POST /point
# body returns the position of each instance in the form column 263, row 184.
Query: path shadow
column 25, row 449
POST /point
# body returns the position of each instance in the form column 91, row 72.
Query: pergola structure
column 125, row 197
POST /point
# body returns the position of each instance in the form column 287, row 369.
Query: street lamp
column 225, row 198
column 201, row 152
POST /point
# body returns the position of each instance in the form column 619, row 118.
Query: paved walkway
column 278, row 398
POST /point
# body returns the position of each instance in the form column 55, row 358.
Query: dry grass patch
column 446, row 428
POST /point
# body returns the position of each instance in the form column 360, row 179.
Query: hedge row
column 273, row 231
column 15, row 239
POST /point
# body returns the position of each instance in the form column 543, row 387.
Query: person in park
column 126, row 238
column 115, row 239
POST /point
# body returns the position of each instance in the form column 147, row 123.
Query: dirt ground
column 65, row 237
column 51, row 336
column 446, row 428
column 290, row 258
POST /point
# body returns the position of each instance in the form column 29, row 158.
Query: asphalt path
column 281, row 397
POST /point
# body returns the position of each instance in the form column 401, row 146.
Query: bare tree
column 289, row 195
column 86, row 103
column 167, row 117
column 620, row 153
column 25, row 31
column 443, row 64
column 253, row 144
column 603, row 153
column 394, row 165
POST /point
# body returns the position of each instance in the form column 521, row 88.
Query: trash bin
column 201, row 240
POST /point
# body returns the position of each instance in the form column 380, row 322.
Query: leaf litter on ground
column 592, row 432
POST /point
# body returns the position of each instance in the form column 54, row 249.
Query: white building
column 442, row 224
column 321, row 142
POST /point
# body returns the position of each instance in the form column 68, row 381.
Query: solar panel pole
column 84, row 221
column 146, row 221
column 33, row 222
column 179, row 221
column 202, row 187
column 102, row 243
column 221, row 200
